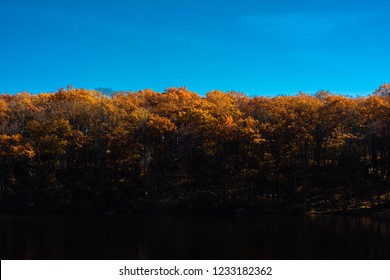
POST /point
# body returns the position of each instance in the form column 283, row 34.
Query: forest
column 177, row 151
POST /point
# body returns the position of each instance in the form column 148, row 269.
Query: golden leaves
column 160, row 125
column 51, row 137
column 14, row 146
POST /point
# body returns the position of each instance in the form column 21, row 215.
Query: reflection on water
column 193, row 237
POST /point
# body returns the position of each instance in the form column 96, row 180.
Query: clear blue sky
column 254, row 46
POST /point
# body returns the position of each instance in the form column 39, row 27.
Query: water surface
column 193, row 237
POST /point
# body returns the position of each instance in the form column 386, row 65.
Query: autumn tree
column 221, row 150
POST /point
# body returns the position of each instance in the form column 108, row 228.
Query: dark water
column 193, row 237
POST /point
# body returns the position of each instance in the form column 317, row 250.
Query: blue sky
column 257, row 47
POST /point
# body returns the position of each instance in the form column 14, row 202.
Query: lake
column 193, row 237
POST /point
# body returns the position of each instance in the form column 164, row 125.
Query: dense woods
column 80, row 150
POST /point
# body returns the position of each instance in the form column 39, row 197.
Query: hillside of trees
column 80, row 150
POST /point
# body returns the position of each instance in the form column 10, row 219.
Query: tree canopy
column 175, row 149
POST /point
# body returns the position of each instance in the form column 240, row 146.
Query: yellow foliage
column 12, row 146
column 160, row 125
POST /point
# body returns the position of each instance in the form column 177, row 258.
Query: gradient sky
column 259, row 47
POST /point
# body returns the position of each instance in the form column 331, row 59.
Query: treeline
column 80, row 149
